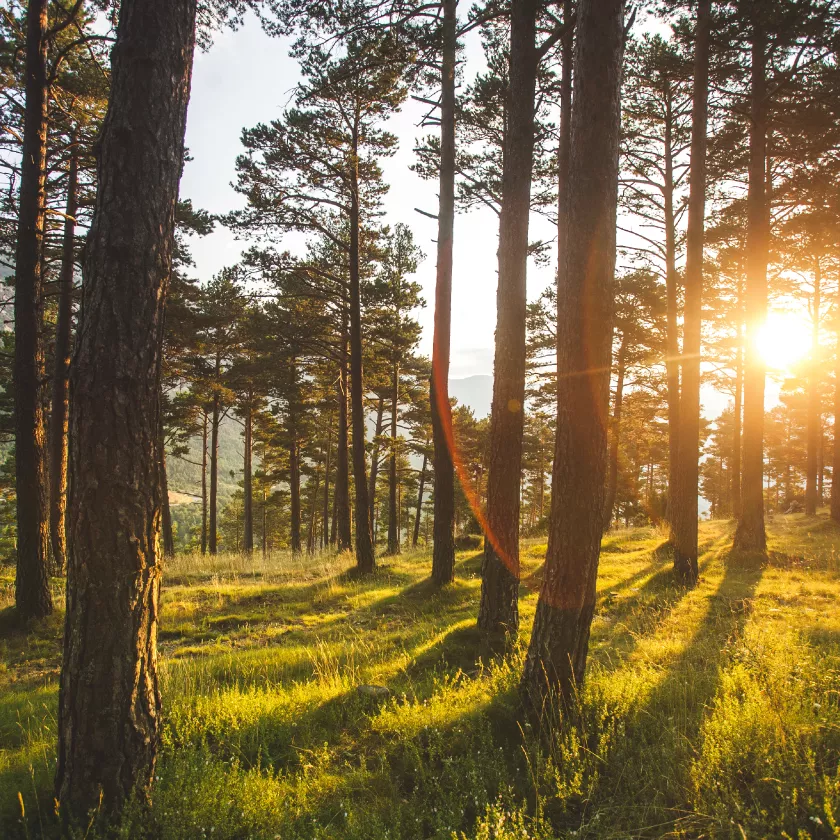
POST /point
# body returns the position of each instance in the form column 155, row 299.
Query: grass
column 713, row 712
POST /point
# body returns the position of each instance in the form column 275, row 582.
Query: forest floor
column 712, row 712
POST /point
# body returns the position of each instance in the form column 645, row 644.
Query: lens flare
column 784, row 340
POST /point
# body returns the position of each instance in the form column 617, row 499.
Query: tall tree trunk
column 247, row 482
column 59, row 415
column 325, row 530
column 835, row 462
column 443, row 554
column 738, row 412
column 313, row 510
column 393, row 507
column 813, row 423
column 416, row 536
column 294, row 463
column 32, row 585
column 499, row 610
column 374, row 460
column 750, row 534
column 615, row 438
column 214, row 466
column 167, row 537
column 341, row 528
column 672, row 341
column 559, row 642
column 365, row 561
column 204, row 484
column 684, row 513
column 264, row 524
column 109, row 700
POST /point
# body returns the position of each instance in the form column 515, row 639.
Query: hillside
column 710, row 712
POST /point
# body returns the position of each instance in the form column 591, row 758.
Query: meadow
column 712, row 712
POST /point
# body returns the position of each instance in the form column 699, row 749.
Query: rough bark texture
column 32, row 585
column 750, row 534
column 814, row 420
column 393, row 505
column 443, row 553
column 684, row 511
column 247, row 484
column 365, row 561
column 109, row 700
column 615, row 438
column 59, row 415
column 419, row 514
column 557, row 653
column 499, row 610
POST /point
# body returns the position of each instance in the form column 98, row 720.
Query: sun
column 784, row 340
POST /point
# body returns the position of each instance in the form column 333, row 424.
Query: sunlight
column 784, row 340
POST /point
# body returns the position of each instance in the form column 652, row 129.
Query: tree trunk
column 294, row 464
column 416, row 537
column 393, row 507
column 813, row 421
column 204, row 485
column 59, row 420
column 109, row 700
column 684, row 513
column 167, row 537
column 736, row 431
column 374, row 461
column 750, row 534
column 559, row 642
column 615, row 438
column 341, row 529
column 365, row 561
column 214, row 466
column 499, row 610
column 835, row 463
column 32, row 584
column 443, row 554
column 247, row 482
column 310, row 537
column 672, row 341
column 325, row 530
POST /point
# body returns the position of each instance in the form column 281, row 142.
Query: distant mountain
column 474, row 391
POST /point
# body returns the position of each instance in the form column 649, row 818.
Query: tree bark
column 416, row 536
column 247, row 482
column 204, row 485
column 59, row 419
column 341, row 529
column 374, row 461
column 393, row 507
column 109, row 699
column 684, row 513
column 33, row 598
column 443, row 553
column 365, row 562
column 557, row 652
column 813, row 423
column 750, row 534
column 214, row 465
column 615, row 439
column 499, row 610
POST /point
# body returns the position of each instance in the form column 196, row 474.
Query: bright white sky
column 247, row 78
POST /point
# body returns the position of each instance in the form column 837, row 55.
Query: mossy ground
column 712, row 712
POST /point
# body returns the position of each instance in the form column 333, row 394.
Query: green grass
column 713, row 712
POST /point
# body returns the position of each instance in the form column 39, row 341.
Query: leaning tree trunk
column 393, row 506
column 443, row 553
column 750, row 534
column 365, row 561
column 59, row 419
column 684, row 511
column 557, row 653
column 341, row 527
column 204, row 485
column 418, row 515
column 167, row 536
column 813, row 423
column 615, row 438
column 247, row 482
column 109, row 700
column 32, row 585
column 499, row 610
column 374, row 461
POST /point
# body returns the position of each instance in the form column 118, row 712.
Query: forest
column 273, row 566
